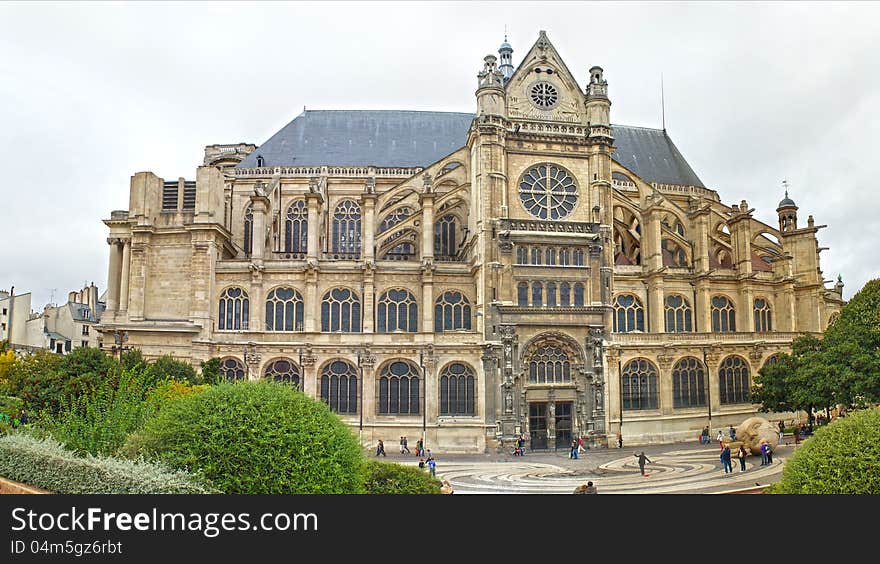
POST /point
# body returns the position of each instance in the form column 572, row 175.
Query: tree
column 211, row 371
column 167, row 368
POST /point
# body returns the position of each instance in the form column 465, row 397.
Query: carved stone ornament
column 370, row 185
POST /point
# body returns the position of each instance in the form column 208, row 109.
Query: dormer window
column 261, row 161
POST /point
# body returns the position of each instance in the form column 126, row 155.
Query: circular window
column 544, row 95
column 548, row 191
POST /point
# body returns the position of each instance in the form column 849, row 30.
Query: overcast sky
column 92, row 93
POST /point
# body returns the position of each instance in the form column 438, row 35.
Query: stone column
column 368, row 388
column 703, row 307
column 426, row 200
column 368, row 300
column 314, row 201
column 113, row 275
column 260, row 206
column 368, row 227
column 312, row 301
column 745, row 310
column 655, row 305
column 126, row 267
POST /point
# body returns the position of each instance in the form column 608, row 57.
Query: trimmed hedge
column 842, row 457
column 256, row 437
column 393, row 478
column 44, row 463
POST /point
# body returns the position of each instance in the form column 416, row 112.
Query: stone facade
column 499, row 288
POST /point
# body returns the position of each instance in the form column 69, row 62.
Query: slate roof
column 388, row 138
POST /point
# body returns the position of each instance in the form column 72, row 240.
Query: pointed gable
column 542, row 87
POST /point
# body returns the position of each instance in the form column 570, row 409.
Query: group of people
column 577, row 446
column 727, row 463
column 426, row 459
column 430, row 464
column 520, row 448
column 587, row 488
column 14, row 421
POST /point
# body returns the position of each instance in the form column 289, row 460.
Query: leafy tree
column 131, row 358
column 211, row 371
column 167, row 368
column 37, row 379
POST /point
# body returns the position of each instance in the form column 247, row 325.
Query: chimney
column 71, row 297
column 93, row 298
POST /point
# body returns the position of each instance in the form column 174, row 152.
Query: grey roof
column 388, row 138
column 786, row 202
column 364, row 137
column 652, row 155
column 81, row 312
column 56, row 336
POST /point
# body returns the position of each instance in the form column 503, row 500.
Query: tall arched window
column 347, row 228
column 397, row 310
column 723, row 315
column 522, row 255
column 763, row 319
column 444, row 237
column 296, row 228
column 733, row 380
column 551, row 294
column 249, row 230
column 688, row 383
column 234, row 310
column 639, row 385
column 283, row 370
column 629, row 315
column 577, row 256
column 549, row 365
column 564, row 255
column 284, row 310
column 399, row 387
column 578, row 294
column 341, row 311
column 232, row 369
column 457, row 387
column 339, row 387
column 565, row 294
column 536, row 256
column 537, row 293
column 550, row 256
column 452, row 312
column 522, row 294
column 678, row 314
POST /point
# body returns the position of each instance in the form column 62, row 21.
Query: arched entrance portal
column 552, row 382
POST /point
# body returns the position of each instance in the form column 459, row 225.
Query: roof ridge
column 395, row 111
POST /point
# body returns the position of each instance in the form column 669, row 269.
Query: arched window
column 723, row 315
column 296, row 228
column 537, row 293
column 341, row 311
column 550, row 257
column 763, row 319
column 536, row 256
column 577, row 256
column 678, row 314
column 232, row 369
column 522, row 255
column 399, row 389
column 347, row 228
column 564, row 255
column 339, row 387
column 672, row 254
column 639, row 385
column 249, row 230
column 405, row 250
column 284, row 310
column 564, row 294
column 549, row 365
column 578, row 294
column 396, row 310
column 772, row 359
column 283, row 370
column 629, row 315
column 733, row 380
column 444, row 237
column 522, row 294
column 261, row 161
column 688, row 383
column 452, row 312
column 234, row 310
column 457, row 386
column 551, row 294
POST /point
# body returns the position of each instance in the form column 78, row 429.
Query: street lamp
column 708, row 387
column 119, row 338
column 620, row 393
column 302, row 372
column 360, row 398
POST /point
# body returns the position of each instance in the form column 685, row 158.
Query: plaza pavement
column 677, row 468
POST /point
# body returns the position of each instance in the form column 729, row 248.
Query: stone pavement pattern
column 682, row 468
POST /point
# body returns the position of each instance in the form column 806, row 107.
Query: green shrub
column 211, row 371
column 44, row 463
column 392, row 478
column 167, row 368
column 10, row 406
column 842, row 457
column 98, row 423
column 257, row 437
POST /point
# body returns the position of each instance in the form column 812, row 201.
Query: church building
column 529, row 268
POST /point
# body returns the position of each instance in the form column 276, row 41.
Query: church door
column 538, row 425
column 563, row 424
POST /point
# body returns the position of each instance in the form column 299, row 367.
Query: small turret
column 506, row 57
column 490, row 91
column 787, row 211
column 598, row 104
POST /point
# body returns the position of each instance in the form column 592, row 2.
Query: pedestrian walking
column 405, row 446
column 432, row 466
column 419, row 447
column 421, row 463
column 769, row 454
column 732, row 433
column 581, row 445
column 619, row 440
column 573, row 451
column 642, row 459
column 704, row 437
column 725, row 460
column 401, row 445
column 720, row 438
column 380, row 448
column 763, row 453
column 781, row 431
column 521, row 443
column 742, row 458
